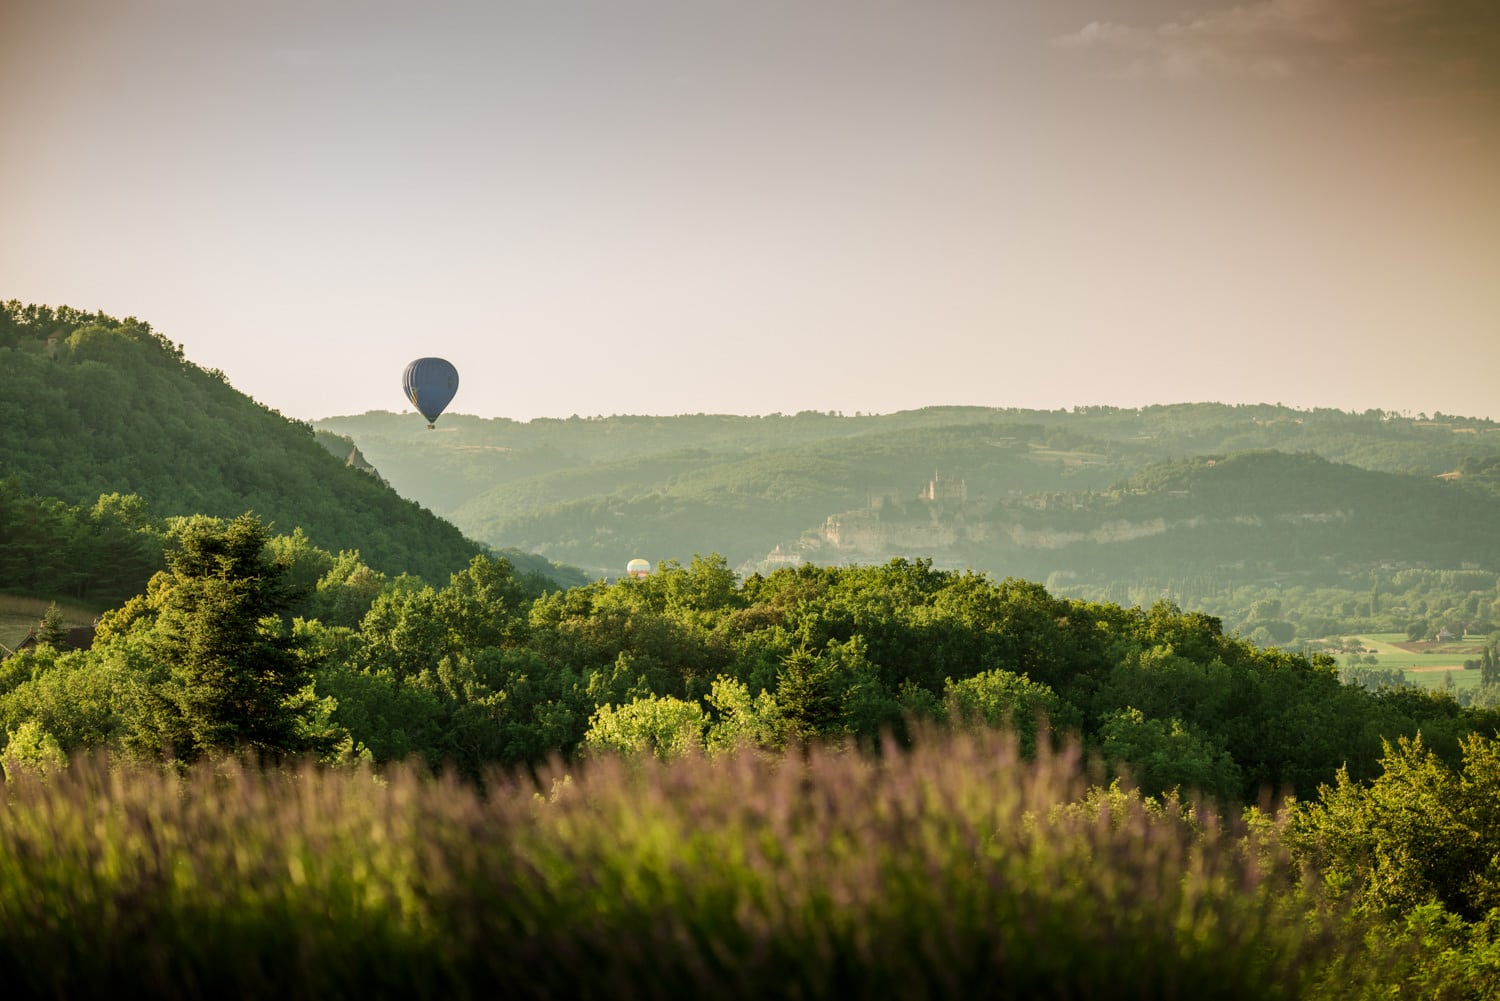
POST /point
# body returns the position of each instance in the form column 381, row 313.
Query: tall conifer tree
column 231, row 675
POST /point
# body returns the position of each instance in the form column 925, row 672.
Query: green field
column 1425, row 663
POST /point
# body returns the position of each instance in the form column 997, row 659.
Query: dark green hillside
column 95, row 405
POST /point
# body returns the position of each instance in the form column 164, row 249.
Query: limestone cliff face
column 861, row 533
column 959, row 538
column 344, row 447
column 357, row 459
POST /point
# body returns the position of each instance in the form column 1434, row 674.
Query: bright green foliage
column 483, row 606
column 344, row 594
column 588, row 629
column 1003, row 698
column 1120, row 806
column 705, row 585
column 478, row 672
column 659, row 725
column 411, row 626
column 1452, row 958
column 401, row 632
column 442, row 674
column 1167, row 756
column 303, row 566
column 1419, row 847
column 1420, row 833
column 31, row 748
column 77, row 699
column 857, row 651
column 742, row 721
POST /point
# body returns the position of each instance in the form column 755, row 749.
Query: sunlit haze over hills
column 680, row 206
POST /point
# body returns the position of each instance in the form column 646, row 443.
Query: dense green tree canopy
column 1422, row 832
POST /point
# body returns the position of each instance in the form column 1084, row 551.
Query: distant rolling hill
column 1093, row 493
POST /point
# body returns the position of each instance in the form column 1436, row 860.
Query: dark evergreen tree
column 806, row 697
column 231, row 672
column 53, row 631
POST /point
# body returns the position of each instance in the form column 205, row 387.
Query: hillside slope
column 95, row 405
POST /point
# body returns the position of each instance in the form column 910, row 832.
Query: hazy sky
column 748, row 206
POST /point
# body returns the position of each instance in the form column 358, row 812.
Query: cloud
column 1451, row 42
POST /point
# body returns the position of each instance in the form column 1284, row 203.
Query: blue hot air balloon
column 430, row 384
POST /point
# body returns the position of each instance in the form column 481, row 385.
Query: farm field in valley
column 1425, row 662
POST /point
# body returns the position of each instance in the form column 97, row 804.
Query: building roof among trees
column 79, row 638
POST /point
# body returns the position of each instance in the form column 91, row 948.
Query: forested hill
column 94, row 405
column 1258, row 516
column 1100, row 494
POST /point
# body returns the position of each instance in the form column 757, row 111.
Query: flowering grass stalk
column 942, row 871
